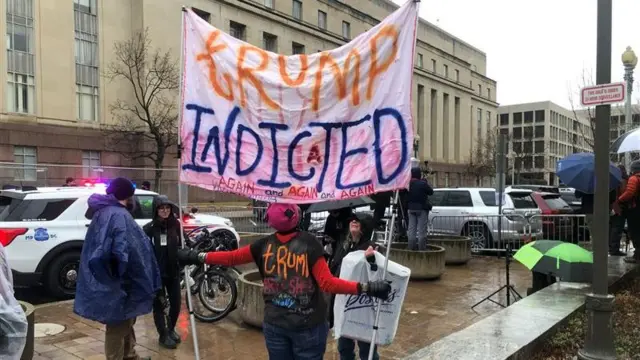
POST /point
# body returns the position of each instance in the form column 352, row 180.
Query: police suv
column 42, row 230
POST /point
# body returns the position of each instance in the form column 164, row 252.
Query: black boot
column 167, row 342
column 175, row 336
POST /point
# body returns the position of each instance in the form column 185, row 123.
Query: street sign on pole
column 603, row 94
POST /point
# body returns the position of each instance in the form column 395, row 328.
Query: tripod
column 507, row 256
column 511, row 291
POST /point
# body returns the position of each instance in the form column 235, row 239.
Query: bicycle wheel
column 217, row 293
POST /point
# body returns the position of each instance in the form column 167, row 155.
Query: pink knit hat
column 283, row 217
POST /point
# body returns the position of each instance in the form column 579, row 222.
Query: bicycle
column 212, row 283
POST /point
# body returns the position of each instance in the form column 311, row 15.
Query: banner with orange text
column 302, row 128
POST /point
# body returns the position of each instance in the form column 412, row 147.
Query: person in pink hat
column 295, row 274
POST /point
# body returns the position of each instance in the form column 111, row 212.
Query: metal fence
column 245, row 219
column 516, row 230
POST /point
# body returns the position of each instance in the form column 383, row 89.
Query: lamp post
column 598, row 344
column 629, row 60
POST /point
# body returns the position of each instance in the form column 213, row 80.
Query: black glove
column 189, row 256
column 371, row 259
column 379, row 289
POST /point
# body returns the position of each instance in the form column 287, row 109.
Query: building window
column 297, row 48
column 237, row 30
column 322, row 19
column 420, row 64
column 346, row 30
column 297, row 9
column 539, row 162
column 26, row 159
column 86, row 54
column 539, row 131
column 20, row 57
column 269, row 4
column 457, row 75
column 90, row 162
column 479, row 90
column 528, row 117
column 445, row 71
column 539, row 115
column 269, row 42
column 433, row 65
column 479, row 123
column 517, row 133
column 504, row 119
column 488, row 119
column 489, row 93
column 20, row 93
column 85, row 6
column 539, row 147
column 517, row 118
column 86, row 102
column 202, row 14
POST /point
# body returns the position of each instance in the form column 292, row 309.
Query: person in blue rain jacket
column 118, row 276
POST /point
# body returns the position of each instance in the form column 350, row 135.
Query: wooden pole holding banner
column 390, row 234
column 192, row 319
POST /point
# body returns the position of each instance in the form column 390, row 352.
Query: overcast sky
column 537, row 50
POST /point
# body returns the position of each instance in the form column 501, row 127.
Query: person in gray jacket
column 418, row 208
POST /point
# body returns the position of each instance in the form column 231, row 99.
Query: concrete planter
column 30, row 312
column 424, row 265
column 457, row 248
column 250, row 300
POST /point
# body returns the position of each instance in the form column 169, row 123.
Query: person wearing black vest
column 164, row 232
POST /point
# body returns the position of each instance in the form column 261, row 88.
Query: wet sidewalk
column 432, row 310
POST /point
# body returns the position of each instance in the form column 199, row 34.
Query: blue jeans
column 418, row 227
column 347, row 349
column 307, row 344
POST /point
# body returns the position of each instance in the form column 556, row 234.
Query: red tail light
column 8, row 235
column 550, row 212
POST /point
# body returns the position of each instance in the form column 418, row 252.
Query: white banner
column 303, row 128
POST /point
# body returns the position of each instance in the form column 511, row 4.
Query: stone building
column 55, row 101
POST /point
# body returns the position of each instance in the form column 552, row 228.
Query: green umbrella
column 568, row 261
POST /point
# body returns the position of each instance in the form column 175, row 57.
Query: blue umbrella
column 577, row 171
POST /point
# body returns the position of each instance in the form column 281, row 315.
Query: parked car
column 554, row 225
column 473, row 212
column 580, row 229
column 42, row 230
column 541, row 188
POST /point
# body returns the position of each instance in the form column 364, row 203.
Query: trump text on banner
column 303, row 128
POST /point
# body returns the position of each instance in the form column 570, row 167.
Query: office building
column 540, row 134
column 54, row 101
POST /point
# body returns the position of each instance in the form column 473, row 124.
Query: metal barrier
column 516, row 229
column 571, row 228
column 245, row 219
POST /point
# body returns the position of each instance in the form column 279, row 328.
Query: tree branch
column 150, row 115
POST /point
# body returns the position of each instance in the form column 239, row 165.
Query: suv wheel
column 480, row 236
column 62, row 274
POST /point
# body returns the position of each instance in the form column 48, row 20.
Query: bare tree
column 145, row 123
column 481, row 162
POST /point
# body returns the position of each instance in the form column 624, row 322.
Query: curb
column 41, row 306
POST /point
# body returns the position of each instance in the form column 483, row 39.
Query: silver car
column 473, row 212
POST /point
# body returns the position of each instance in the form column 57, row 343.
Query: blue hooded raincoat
column 118, row 275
